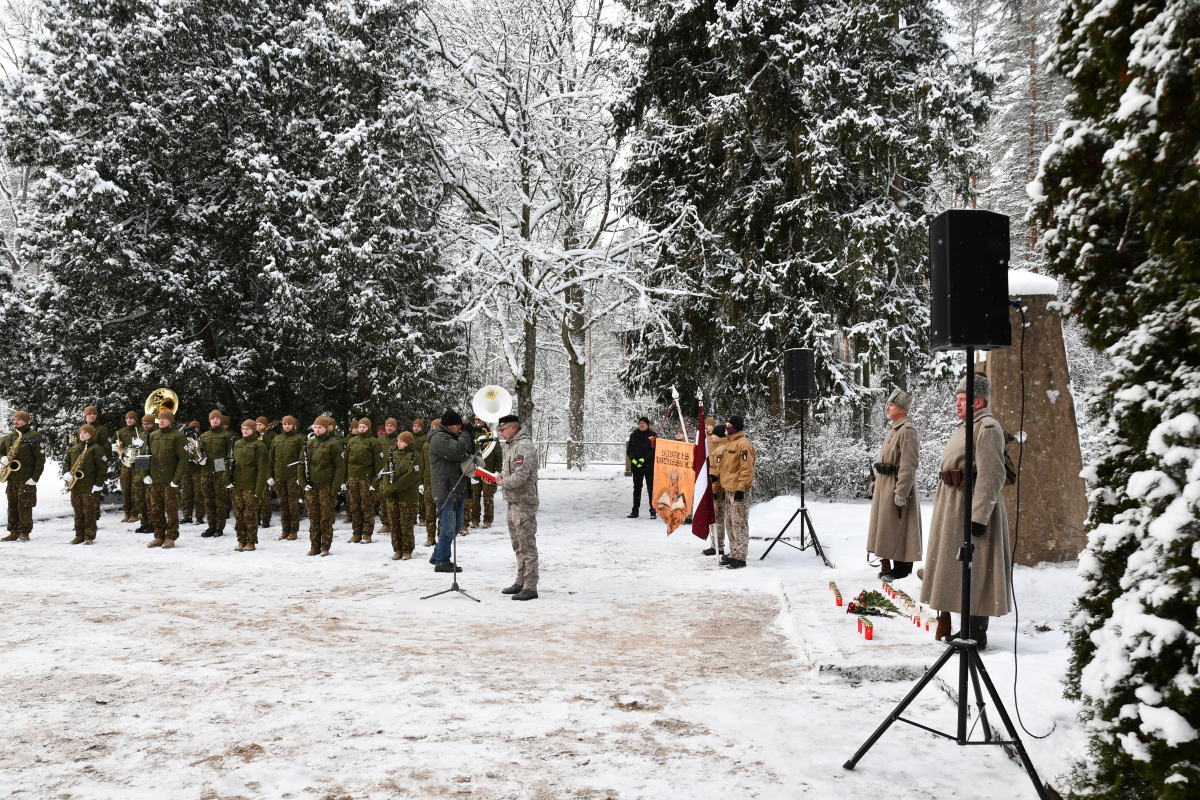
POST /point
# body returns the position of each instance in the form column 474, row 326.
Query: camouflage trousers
column 385, row 509
column 216, row 500
column 737, row 522
column 193, row 497
column 141, row 500
column 404, row 517
column 522, row 529
column 86, row 508
column 718, row 526
column 320, row 501
column 482, row 494
column 431, row 515
column 264, row 509
column 21, row 499
column 128, row 498
column 288, row 492
column 360, row 506
column 245, row 515
column 164, row 510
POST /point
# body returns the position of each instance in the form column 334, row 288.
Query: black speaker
column 968, row 282
column 799, row 379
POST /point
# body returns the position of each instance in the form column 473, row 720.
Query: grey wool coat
column 941, row 587
column 895, row 530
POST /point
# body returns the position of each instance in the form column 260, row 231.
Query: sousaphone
column 490, row 404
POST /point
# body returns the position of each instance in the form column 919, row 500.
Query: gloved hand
column 271, row 482
column 978, row 529
column 66, row 477
column 739, row 496
column 230, row 486
column 343, row 488
column 147, row 480
column 116, row 448
column 174, row 485
column 308, row 487
column 31, row 482
column 3, row 461
column 421, row 489
column 372, row 488
column 97, row 489
column 138, row 443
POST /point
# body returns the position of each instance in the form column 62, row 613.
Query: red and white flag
column 702, row 498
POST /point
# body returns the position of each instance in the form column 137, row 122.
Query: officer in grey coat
column 518, row 480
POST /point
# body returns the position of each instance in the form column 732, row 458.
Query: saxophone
column 13, row 465
column 76, row 472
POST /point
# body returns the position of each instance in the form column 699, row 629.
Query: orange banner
column 674, row 481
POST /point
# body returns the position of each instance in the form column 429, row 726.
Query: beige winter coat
column 941, row 587
column 895, row 531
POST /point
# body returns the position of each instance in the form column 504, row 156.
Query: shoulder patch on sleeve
column 745, row 455
column 519, row 460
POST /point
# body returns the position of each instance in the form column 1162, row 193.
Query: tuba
column 490, row 404
column 162, row 400
column 13, row 465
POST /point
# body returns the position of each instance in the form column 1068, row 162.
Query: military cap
column 91, row 410
column 290, row 420
column 131, row 415
column 983, row 386
column 248, row 423
column 709, row 421
column 88, row 429
column 167, row 414
column 437, row 423
column 214, row 413
column 901, row 398
column 507, row 418
column 225, row 420
column 262, row 421
column 406, row 437
column 365, row 421
column 147, row 418
column 419, row 421
column 392, row 422
column 21, row 415
column 325, row 422
column 194, row 424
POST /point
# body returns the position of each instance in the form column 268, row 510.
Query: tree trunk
column 573, row 337
column 528, row 370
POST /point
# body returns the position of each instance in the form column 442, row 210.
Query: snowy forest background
column 374, row 208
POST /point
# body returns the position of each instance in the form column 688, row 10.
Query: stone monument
column 1053, row 496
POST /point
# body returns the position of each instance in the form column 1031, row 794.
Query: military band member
column 737, row 479
column 285, row 454
column 419, row 442
column 483, row 494
column 265, row 432
column 218, row 446
column 519, row 478
column 88, row 462
column 894, row 534
column 388, row 435
column 246, row 475
column 716, row 451
column 141, row 492
column 323, row 471
column 168, row 454
column 364, row 462
column 432, row 523
column 192, row 489
column 90, row 415
column 941, row 585
column 30, row 453
column 400, row 487
column 124, row 444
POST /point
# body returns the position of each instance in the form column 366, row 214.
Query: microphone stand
column 454, row 587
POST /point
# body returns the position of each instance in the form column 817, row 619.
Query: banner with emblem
column 674, row 481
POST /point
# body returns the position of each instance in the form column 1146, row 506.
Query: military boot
column 77, row 540
column 89, row 541
column 324, row 552
column 291, row 537
column 248, row 548
column 406, row 556
column 396, row 556
column 283, row 535
column 516, row 587
column 942, row 634
column 385, row 528
column 526, row 594
column 168, row 544
column 366, row 538
column 712, row 551
column 356, row 538
column 24, row 537
column 633, row 514
column 885, row 567
column 185, row 521
column 156, row 543
column 12, row 537
column 429, row 542
column 486, row 525
column 734, row 563
column 240, row 547
column 314, row 552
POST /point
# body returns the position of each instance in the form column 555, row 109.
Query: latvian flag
column 702, row 497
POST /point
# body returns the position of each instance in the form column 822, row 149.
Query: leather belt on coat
column 884, row 468
column 953, row 477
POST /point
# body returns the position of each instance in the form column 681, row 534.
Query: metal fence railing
column 555, row 450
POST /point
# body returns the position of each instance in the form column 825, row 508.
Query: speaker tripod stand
column 970, row 665
column 808, row 534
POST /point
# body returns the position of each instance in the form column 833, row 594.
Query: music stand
column 970, row 665
column 808, row 534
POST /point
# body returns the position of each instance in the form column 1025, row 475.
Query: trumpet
column 76, row 472
column 13, row 465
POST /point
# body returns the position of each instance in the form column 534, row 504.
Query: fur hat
column 133, row 415
column 248, row 423
column 719, row 430
column 737, row 423
column 262, row 421
column 148, row 418
column 290, row 420
column 451, row 417
column 21, row 415
column 214, row 413
column 325, row 422
column 392, row 422
column 983, row 386
column 406, row 437
column 88, row 429
column 507, row 418
column 91, row 410
column 901, row 398
column 167, row 414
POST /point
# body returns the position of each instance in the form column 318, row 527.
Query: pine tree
column 802, row 140
column 234, row 203
column 1119, row 193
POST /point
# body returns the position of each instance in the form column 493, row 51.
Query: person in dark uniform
column 640, row 452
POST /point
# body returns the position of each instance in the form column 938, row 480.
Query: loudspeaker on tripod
column 968, row 282
column 799, row 377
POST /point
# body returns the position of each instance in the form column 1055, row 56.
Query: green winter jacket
column 286, row 451
column 217, row 445
column 421, row 445
column 324, row 463
column 168, row 455
column 446, row 451
column 406, row 474
column 94, row 466
column 364, row 457
column 249, row 467
column 31, row 453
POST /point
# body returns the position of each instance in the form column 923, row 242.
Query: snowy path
column 641, row 672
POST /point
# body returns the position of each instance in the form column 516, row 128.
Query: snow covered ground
column 643, row 671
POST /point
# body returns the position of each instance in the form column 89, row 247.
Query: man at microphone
column 518, row 479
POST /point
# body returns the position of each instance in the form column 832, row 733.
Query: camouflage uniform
column 323, row 471
column 192, row 489
column 285, row 454
column 382, row 505
column 246, row 474
column 427, row 508
column 85, row 494
column 737, row 475
column 264, row 504
column 217, row 445
column 168, row 454
column 22, row 496
column 404, row 473
column 126, row 436
column 519, row 477
column 715, row 454
column 141, row 492
column 364, row 462
column 484, row 494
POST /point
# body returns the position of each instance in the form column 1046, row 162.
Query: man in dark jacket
column 448, row 448
column 640, row 452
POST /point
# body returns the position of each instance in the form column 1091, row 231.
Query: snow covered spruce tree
column 802, row 140
column 233, row 203
column 1119, row 192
